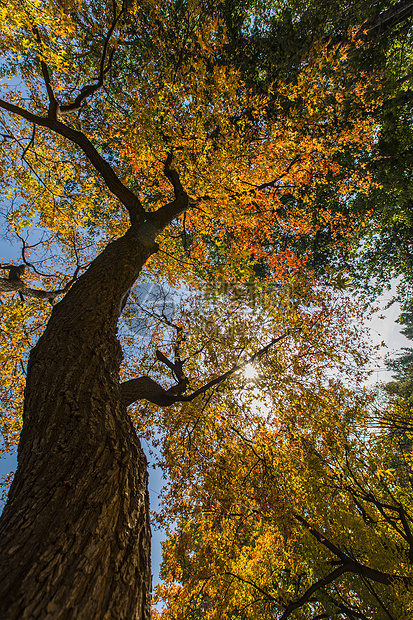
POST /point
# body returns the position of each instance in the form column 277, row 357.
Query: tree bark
column 75, row 534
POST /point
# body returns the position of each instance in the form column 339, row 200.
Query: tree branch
column 398, row 100
column 408, row 532
column 354, row 565
column 176, row 366
column 90, row 89
column 274, row 182
column 386, row 20
column 377, row 597
column 14, row 284
column 145, row 388
column 234, row 369
column 251, row 583
column 30, row 143
column 316, row 586
column 53, row 105
column 164, row 215
column 134, row 389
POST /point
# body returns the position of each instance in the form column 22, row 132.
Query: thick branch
column 353, row 565
column 163, row 216
column 53, row 105
column 316, row 586
column 12, row 286
column 145, row 388
column 127, row 198
column 85, row 92
column 176, row 367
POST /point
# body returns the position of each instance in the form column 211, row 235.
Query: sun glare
column 249, row 372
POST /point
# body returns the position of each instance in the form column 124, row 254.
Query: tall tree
column 129, row 139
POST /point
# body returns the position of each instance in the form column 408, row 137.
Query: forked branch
column 314, row 588
column 166, row 214
column 353, row 565
column 145, row 388
column 55, row 107
column 346, row 563
column 114, row 184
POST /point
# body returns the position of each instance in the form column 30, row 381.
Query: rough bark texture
column 75, row 535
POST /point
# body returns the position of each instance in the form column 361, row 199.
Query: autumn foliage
column 110, row 113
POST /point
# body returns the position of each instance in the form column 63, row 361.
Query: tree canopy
column 239, row 154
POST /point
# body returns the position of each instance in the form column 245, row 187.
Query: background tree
column 402, row 365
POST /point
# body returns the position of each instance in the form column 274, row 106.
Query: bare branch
column 30, row 143
column 251, row 583
column 25, row 247
column 234, row 369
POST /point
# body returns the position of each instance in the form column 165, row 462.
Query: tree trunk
column 75, row 534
